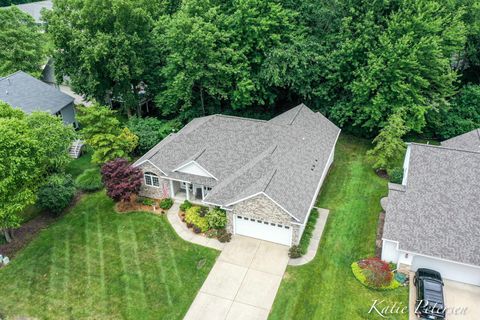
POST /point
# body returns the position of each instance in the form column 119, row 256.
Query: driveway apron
column 243, row 282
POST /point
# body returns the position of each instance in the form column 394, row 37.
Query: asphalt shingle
column 21, row 90
column 284, row 157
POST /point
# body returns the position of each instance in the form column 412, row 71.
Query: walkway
column 243, row 282
column 314, row 241
column 187, row 234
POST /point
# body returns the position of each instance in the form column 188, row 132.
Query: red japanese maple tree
column 121, row 179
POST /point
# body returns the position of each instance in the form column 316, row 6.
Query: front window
column 151, row 179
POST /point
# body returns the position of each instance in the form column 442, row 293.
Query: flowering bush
column 374, row 273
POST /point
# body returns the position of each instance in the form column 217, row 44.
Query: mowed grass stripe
column 128, row 272
column 102, row 301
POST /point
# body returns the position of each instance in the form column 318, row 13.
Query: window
column 183, row 185
column 151, row 179
column 287, row 227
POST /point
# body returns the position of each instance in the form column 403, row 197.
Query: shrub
column 212, row 233
column 121, row 179
column 192, row 216
column 224, row 236
column 57, row 193
column 374, row 273
column 150, row 131
column 90, row 180
column 197, row 229
column 203, row 211
column 307, row 233
column 185, row 205
column 148, row 202
column 217, row 218
column 166, row 203
column 396, row 175
column 294, row 252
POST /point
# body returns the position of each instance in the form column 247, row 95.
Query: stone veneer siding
column 154, row 192
column 262, row 208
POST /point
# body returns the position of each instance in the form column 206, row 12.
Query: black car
column 430, row 303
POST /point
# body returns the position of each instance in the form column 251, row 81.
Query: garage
column 264, row 230
column 449, row 270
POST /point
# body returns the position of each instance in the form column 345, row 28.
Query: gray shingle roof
column 283, row 159
column 467, row 141
column 21, row 90
column 35, row 9
column 437, row 213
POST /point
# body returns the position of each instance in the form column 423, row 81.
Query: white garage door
column 449, row 270
column 264, row 230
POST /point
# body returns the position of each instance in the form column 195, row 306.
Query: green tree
column 103, row 132
column 150, row 131
column 22, row 43
column 20, row 170
column 105, row 46
column 462, row 115
column 408, row 67
column 389, row 147
column 228, row 56
column 31, row 147
column 56, row 143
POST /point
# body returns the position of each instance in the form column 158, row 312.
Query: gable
column 262, row 207
column 194, row 168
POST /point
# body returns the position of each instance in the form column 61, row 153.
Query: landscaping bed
column 209, row 222
column 159, row 206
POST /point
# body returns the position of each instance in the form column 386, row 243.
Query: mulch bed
column 378, row 241
column 29, row 230
column 133, row 206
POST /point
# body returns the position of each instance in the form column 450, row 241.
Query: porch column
column 172, row 192
column 188, row 190
column 203, row 192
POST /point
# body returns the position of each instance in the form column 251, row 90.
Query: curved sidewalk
column 314, row 241
column 186, row 234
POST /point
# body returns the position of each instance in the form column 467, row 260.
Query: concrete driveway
column 463, row 296
column 243, row 282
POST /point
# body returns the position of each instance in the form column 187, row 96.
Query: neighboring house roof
column 21, row 90
column 35, row 9
column 437, row 212
column 283, row 158
column 467, row 141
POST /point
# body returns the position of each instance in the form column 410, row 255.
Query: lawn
column 95, row 263
column 326, row 288
column 77, row 166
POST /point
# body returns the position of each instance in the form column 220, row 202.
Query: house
column 265, row 174
column 21, row 90
column 433, row 217
column 34, row 9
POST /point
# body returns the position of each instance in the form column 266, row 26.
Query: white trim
column 266, row 195
column 174, row 179
column 138, row 164
column 428, row 256
column 406, row 164
column 322, row 180
column 153, row 175
column 197, row 164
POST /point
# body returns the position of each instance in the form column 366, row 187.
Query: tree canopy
column 361, row 63
column 104, row 133
column 27, row 156
column 22, row 43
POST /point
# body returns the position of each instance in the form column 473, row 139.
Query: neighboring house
column 34, row 9
column 21, row 90
column 265, row 174
column 433, row 218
